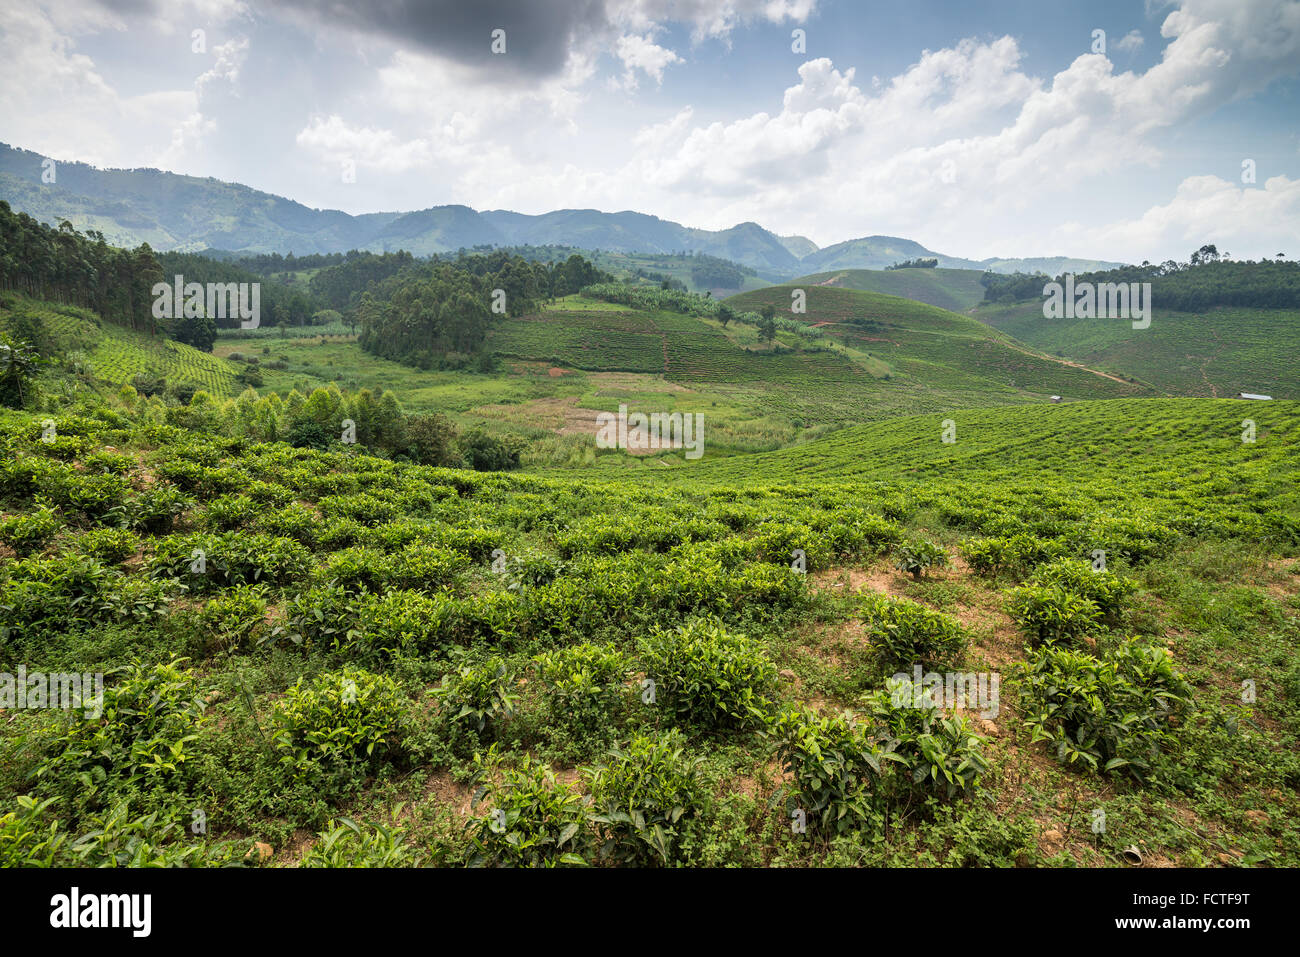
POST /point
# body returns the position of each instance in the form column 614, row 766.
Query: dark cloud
column 539, row 33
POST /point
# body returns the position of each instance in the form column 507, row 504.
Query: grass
column 1217, row 353
column 956, row 289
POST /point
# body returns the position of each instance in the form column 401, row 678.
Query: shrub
column 475, row 700
column 341, row 715
column 708, row 677
column 934, row 752
column 27, row 534
column 904, row 633
column 919, row 555
column 535, row 822
column 834, row 765
column 112, row 546
column 345, row 843
column 584, row 687
column 1105, row 589
column 139, row 739
column 1048, row 613
column 155, row 509
column 1106, row 714
column 235, row 619
column 644, row 795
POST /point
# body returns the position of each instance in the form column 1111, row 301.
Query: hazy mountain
column 171, row 211
column 799, row 245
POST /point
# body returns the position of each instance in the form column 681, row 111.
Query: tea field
column 324, row 658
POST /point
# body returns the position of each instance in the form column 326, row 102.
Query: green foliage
column 339, row 716
column 140, row 739
column 475, row 700
column 112, row 546
column 345, row 843
column 708, row 677
column 834, row 765
column 584, row 687
column 918, row 556
column 535, row 821
column 645, row 794
column 27, row 534
column 1049, row 613
column 1112, row 713
column 1105, row 589
column 936, row 754
column 904, row 634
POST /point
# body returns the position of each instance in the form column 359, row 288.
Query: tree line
column 1208, row 279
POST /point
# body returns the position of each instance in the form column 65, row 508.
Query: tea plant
column 1105, row 714
column 345, row 843
column 904, row 634
column 339, row 716
column 1051, row 613
column 918, row 556
column 708, row 677
column 835, row 766
column 644, row 795
column 535, row 821
column 936, row 753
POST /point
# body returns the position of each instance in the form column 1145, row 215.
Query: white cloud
column 642, row 53
column 1130, row 42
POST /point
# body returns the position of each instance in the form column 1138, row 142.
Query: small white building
column 1251, row 395
column 1056, row 398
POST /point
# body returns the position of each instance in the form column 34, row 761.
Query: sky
column 1112, row 130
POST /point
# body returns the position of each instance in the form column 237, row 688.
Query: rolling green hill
column 1136, row 447
column 1219, row 352
column 955, row 289
column 116, row 354
column 928, row 346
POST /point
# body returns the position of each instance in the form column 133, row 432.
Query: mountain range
column 191, row 213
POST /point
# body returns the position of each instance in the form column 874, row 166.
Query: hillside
column 877, row 252
column 115, row 354
column 926, row 345
column 1217, row 352
column 1124, row 444
column 955, row 289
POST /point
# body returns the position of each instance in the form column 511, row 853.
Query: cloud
column 641, row 53
column 1207, row 209
column 1130, row 42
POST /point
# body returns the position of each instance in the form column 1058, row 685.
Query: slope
column 1218, row 352
column 927, row 346
column 955, row 289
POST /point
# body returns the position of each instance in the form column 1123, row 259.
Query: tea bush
column 918, row 556
column 935, row 753
column 474, row 701
column 1110, row 713
column 535, row 822
column 139, row 742
column 345, row 843
column 1105, row 589
column 835, row 766
column 111, row 546
column 644, row 795
column 28, row 534
column 339, row 716
column 1049, row 613
column 584, row 688
column 904, row 633
column 708, row 677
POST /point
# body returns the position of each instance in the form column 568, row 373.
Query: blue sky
column 978, row 129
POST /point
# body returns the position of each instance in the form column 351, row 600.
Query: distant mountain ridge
column 192, row 213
